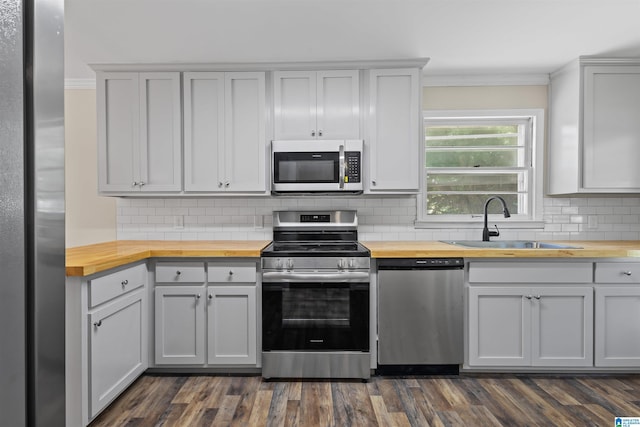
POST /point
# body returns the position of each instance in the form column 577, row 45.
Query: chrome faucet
column 486, row 234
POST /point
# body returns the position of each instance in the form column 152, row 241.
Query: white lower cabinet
column 537, row 326
column 231, row 325
column 617, row 334
column 208, row 320
column 179, row 325
column 117, row 348
column 106, row 331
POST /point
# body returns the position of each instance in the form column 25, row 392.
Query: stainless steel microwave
column 316, row 166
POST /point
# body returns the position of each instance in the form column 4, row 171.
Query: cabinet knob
column 178, row 273
column 125, row 282
column 537, row 297
column 197, row 296
column 97, row 324
column 210, row 296
column 374, row 183
column 320, row 132
column 226, row 184
column 142, row 183
column 528, row 296
column 134, row 184
column 220, row 184
column 626, row 273
column 230, row 272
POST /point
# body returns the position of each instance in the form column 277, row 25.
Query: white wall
column 89, row 218
column 94, row 219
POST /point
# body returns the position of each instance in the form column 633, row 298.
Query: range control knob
column 352, row 263
column 279, row 264
column 290, row 264
column 342, row 263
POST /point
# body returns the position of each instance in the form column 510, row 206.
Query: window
column 472, row 155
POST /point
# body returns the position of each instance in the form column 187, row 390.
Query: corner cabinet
column 394, row 131
column 316, row 104
column 224, row 132
column 530, row 314
column 139, row 132
column 595, row 127
column 106, row 339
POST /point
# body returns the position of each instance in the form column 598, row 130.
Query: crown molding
column 486, row 80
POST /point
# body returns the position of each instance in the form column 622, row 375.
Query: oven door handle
column 343, row 277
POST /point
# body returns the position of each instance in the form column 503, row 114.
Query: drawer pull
column 97, row 324
column 626, row 273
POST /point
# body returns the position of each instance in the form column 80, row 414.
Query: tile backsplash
column 380, row 218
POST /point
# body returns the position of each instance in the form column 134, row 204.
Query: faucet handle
column 494, row 233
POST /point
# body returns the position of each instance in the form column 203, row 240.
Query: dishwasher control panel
column 418, row 263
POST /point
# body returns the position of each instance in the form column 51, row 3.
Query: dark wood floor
column 483, row 400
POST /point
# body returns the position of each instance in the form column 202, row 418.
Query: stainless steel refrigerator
column 32, row 213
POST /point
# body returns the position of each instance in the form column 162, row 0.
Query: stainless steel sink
column 509, row 244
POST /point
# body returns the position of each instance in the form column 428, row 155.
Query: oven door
column 315, row 316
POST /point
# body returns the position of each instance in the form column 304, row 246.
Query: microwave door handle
column 341, row 167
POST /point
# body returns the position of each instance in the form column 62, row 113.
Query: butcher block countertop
column 434, row 249
column 90, row 259
column 86, row 260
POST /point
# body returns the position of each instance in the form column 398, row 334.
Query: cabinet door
column 245, row 141
column 118, row 108
column 117, row 348
column 611, row 139
column 617, row 331
column 394, row 130
column 562, row 326
column 160, row 132
column 179, row 323
column 294, row 95
column 231, row 325
column 338, row 104
column 499, row 327
column 203, row 131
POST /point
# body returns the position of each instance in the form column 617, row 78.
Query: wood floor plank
column 260, row 411
column 226, row 410
column 316, row 407
column 439, row 401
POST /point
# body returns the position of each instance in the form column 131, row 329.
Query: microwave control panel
column 352, row 173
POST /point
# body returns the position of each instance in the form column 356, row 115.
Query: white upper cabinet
column 394, row 130
column 595, row 127
column 317, row 104
column 139, row 132
column 225, row 142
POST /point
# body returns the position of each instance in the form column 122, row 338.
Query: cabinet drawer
column 244, row 272
column 180, row 272
column 530, row 272
column 617, row 272
column 115, row 284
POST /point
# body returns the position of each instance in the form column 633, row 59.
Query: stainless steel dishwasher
column 420, row 312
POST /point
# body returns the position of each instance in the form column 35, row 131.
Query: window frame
column 535, row 153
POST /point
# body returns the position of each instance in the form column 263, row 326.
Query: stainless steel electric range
column 315, row 297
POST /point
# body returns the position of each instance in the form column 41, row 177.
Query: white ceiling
column 462, row 37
